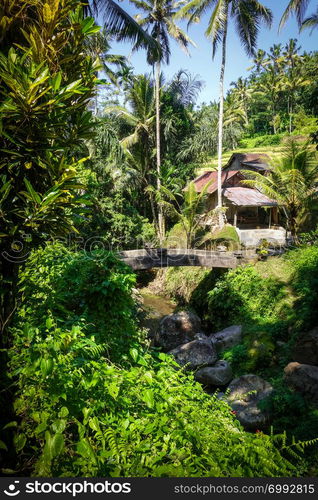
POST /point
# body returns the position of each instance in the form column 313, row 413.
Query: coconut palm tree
column 242, row 93
column 294, row 79
column 247, row 16
column 138, row 145
column 159, row 20
column 292, row 183
column 98, row 47
column 260, row 60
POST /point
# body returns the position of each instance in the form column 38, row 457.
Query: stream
column 155, row 307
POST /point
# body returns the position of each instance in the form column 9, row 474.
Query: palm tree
column 270, row 87
column 293, row 79
column 159, row 19
column 188, row 212
column 292, row 183
column 310, row 21
column 242, row 93
column 139, row 144
column 247, row 16
column 98, row 46
column 260, row 61
column 185, row 88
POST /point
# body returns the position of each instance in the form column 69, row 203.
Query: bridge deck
column 162, row 257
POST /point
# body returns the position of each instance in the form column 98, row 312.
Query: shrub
column 305, row 283
column 93, row 288
column 242, row 295
column 262, row 140
column 226, row 236
column 81, row 415
column 180, row 282
column 176, row 237
column 268, row 140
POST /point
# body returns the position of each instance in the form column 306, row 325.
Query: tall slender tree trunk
column 158, row 152
column 291, row 114
column 221, row 113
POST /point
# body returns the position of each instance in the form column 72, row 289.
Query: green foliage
column 292, row 183
column 176, row 237
column 188, row 213
column 80, row 414
column 226, row 236
column 44, row 122
column 201, row 143
column 84, row 416
column 241, row 295
column 80, row 287
column 244, row 296
column 181, row 282
column 46, row 83
column 309, row 238
column 264, row 140
column 304, row 261
column 288, row 408
column 256, row 353
column 304, row 124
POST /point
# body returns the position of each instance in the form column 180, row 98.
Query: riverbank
column 274, row 301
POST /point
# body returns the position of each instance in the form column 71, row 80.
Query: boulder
column 195, row 354
column 245, row 393
column 218, row 375
column 306, row 348
column 201, row 336
column 227, row 338
column 176, row 329
column 304, row 379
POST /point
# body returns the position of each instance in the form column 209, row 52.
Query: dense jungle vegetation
column 95, row 158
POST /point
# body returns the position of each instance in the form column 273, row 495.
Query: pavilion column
column 275, row 215
column 235, row 218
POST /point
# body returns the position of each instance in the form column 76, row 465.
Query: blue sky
column 200, row 62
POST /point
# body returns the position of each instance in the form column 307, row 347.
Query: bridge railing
column 163, row 257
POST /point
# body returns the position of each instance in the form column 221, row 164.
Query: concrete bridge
column 173, row 257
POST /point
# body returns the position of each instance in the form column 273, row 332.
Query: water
column 155, row 307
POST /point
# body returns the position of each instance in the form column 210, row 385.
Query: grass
column 273, row 151
column 276, row 267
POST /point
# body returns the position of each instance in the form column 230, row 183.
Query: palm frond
column 217, row 24
column 295, row 6
column 123, row 27
column 248, row 16
column 310, row 22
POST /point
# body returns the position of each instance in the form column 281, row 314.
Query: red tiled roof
column 247, row 197
column 209, row 176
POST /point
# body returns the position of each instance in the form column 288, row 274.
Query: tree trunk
column 153, row 211
column 293, row 230
column 221, row 112
column 158, row 152
column 291, row 115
